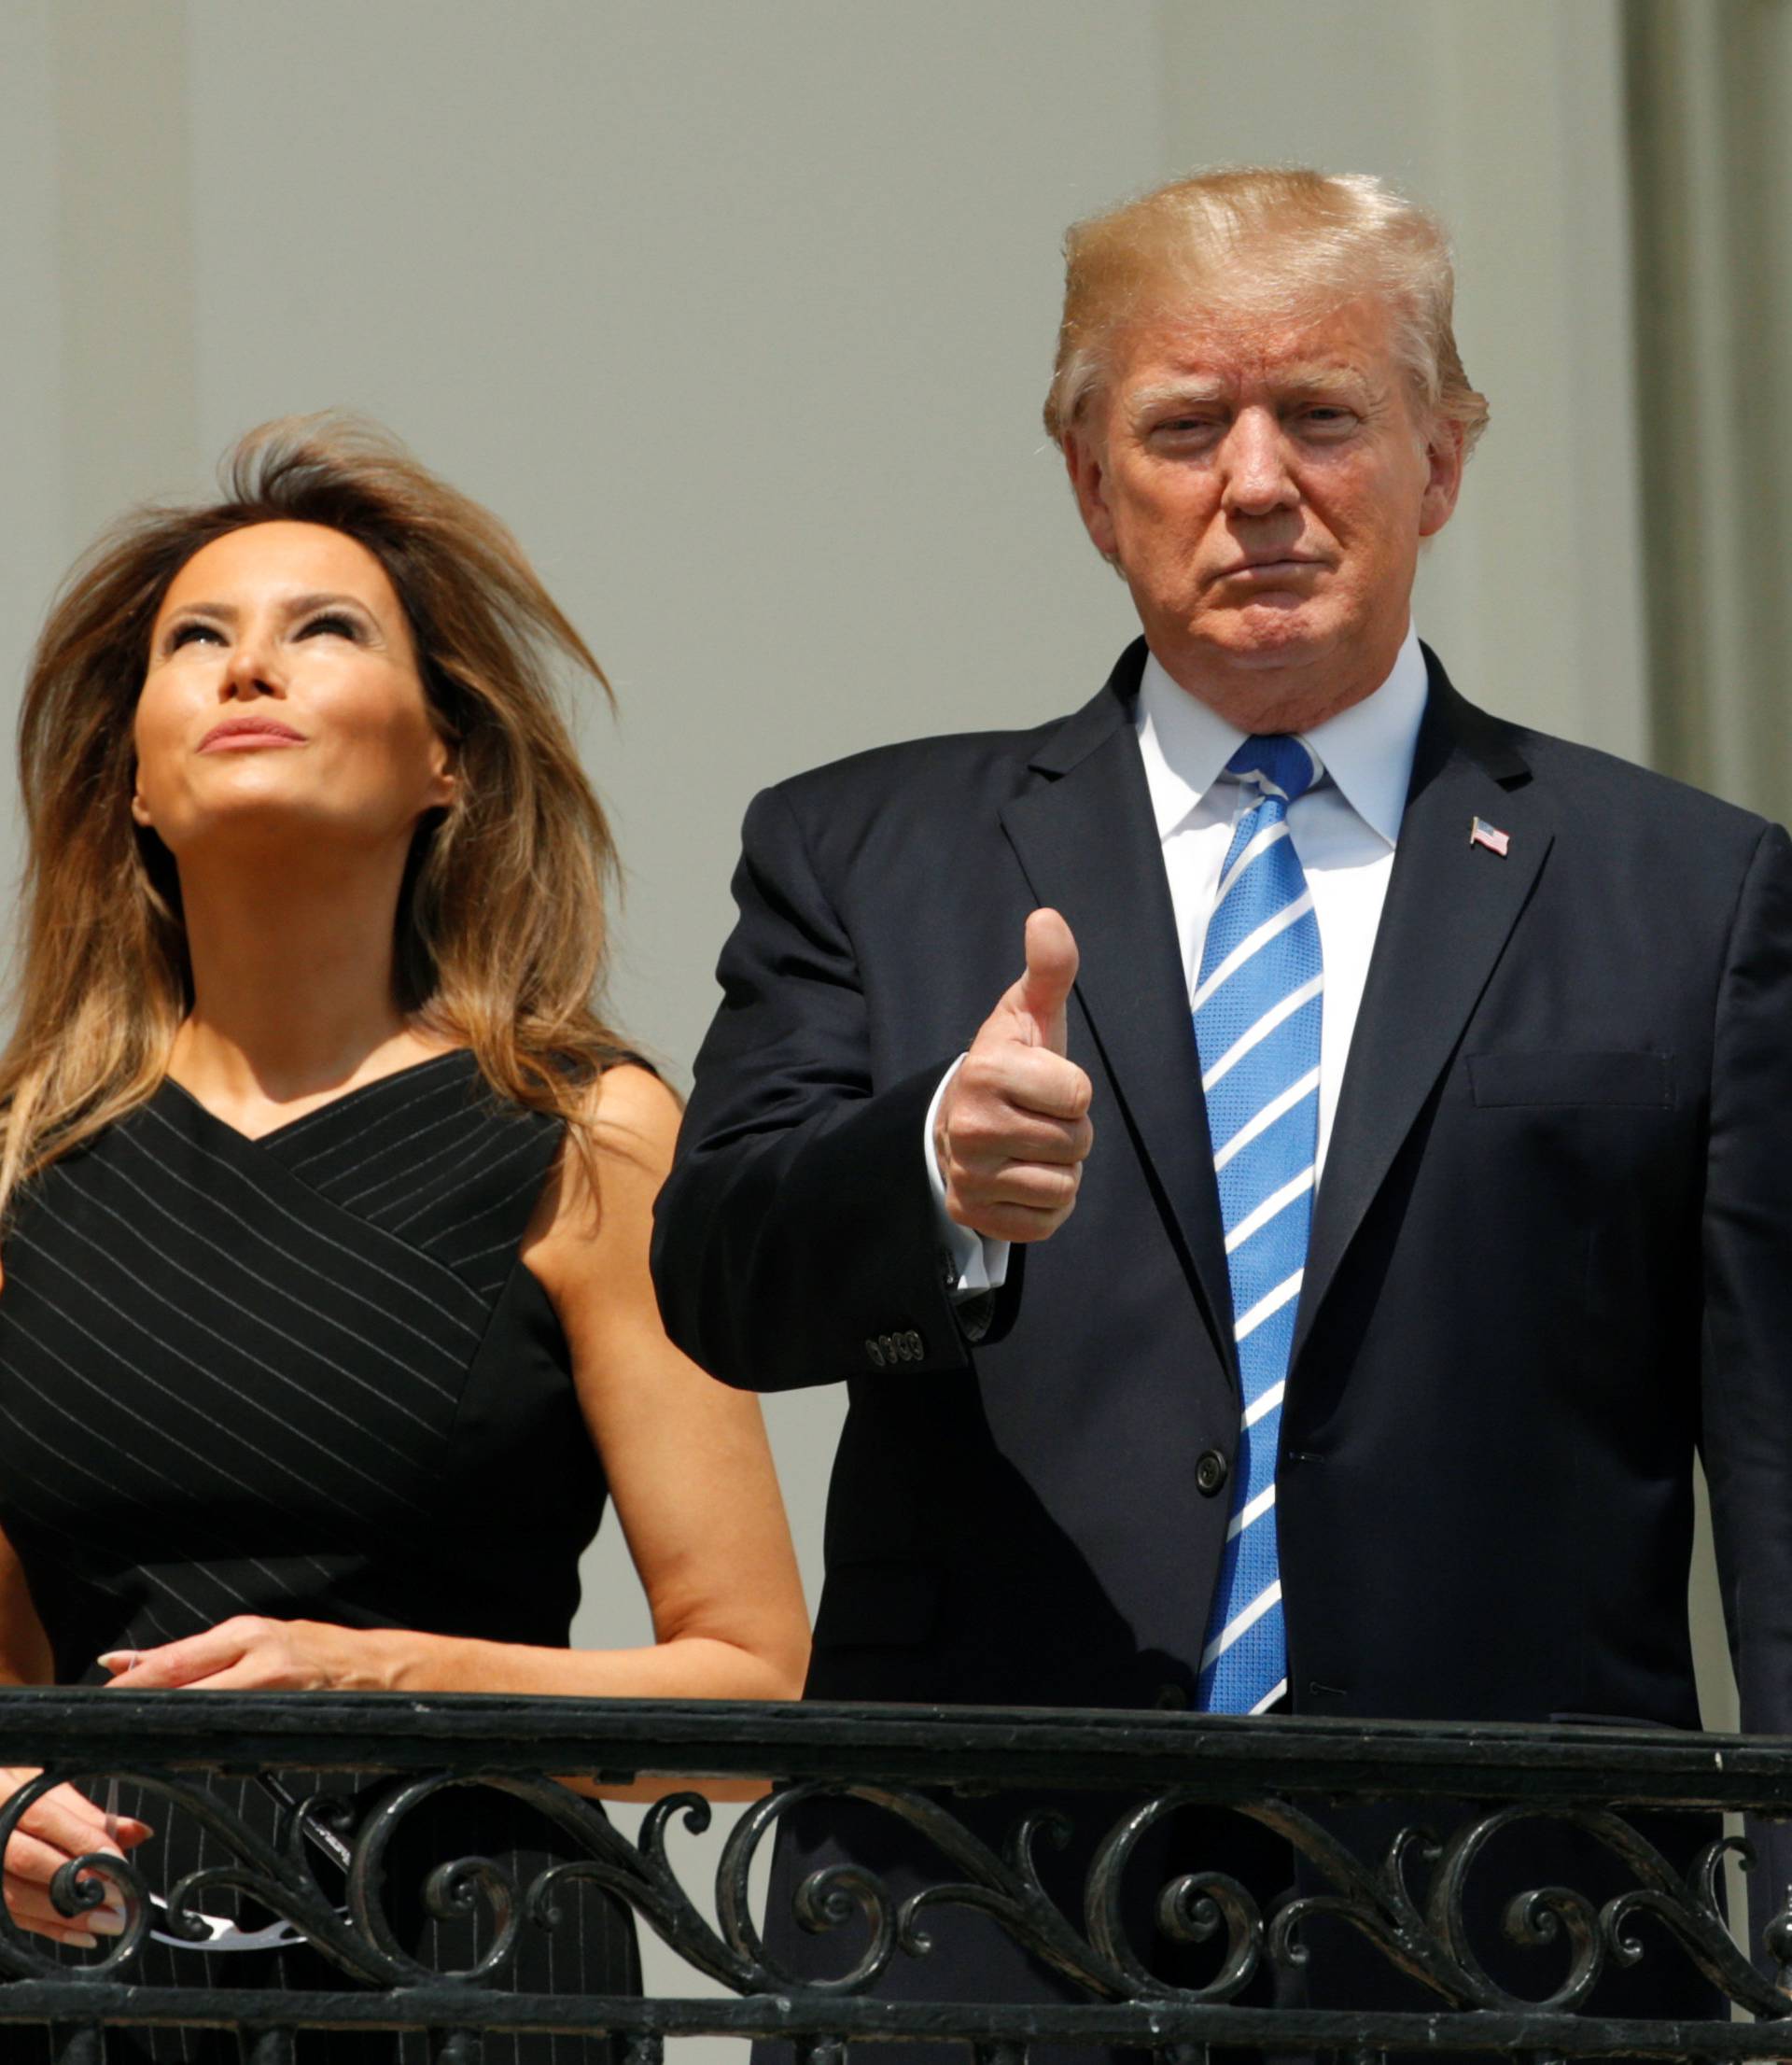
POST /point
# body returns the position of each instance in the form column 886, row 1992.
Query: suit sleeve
column 1746, row 1403
column 795, row 1241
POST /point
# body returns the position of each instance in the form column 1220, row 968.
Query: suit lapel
column 1450, row 907
column 1088, row 843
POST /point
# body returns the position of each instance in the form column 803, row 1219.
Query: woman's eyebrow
column 300, row 605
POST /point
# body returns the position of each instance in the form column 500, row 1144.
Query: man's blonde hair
column 1254, row 240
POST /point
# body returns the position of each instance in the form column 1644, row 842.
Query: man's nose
column 1257, row 476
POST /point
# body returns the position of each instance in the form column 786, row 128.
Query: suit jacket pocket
column 878, row 1606
column 1642, row 1080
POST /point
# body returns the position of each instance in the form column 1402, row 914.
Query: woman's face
column 282, row 700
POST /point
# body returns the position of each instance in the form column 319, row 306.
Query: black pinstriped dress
column 307, row 1376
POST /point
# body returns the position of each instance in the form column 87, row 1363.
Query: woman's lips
column 247, row 734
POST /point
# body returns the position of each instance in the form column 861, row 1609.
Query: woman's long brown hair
column 501, row 934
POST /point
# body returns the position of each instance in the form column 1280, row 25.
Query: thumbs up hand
column 1013, row 1129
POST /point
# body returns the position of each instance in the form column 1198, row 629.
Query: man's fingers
column 1019, row 1136
column 1044, row 989
column 1001, row 1079
column 1020, row 1224
column 1045, row 1084
column 1013, row 1126
column 1039, row 1186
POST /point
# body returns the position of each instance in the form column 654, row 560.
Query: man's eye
column 186, row 634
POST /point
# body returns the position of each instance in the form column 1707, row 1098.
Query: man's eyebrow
column 1318, row 376
column 1324, row 377
column 1187, row 391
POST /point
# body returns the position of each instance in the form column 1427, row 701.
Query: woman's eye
column 186, row 634
column 333, row 623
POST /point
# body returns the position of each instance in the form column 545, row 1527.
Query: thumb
column 1051, row 969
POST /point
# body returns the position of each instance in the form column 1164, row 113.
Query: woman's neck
column 293, row 992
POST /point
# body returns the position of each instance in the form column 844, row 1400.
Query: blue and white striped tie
column 1257, row 1006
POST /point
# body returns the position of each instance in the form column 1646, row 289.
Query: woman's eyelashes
column 190, row 633
column 326, row 624
column 332, row 623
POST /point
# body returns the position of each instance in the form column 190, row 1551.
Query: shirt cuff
column 975, row 1265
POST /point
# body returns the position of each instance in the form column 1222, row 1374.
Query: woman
column 326, row 1319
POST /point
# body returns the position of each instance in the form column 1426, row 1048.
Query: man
column 1308, row 1289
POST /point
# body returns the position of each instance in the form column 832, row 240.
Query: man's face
column 1263, row 485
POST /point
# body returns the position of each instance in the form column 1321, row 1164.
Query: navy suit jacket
column 1551, row 1253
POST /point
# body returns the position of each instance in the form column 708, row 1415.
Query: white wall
column 34, row 535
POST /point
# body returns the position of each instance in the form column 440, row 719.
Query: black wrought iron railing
column 940, row 1780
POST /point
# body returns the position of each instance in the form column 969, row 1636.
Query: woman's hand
column 64, row 1824
column 249, row 1654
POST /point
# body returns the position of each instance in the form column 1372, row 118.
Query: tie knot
column 1277, row 763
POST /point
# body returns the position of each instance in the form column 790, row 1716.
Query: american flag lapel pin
column 1480, row 832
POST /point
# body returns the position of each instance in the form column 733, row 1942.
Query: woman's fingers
column 63, row 1825
column 194, row 1657
column 245, row 1674
column 32, row 1907
column 69, row 1823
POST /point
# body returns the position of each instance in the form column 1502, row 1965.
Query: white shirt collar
column 1367, row 750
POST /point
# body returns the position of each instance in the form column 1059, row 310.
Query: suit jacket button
column 1211, row 1473
column 873, row 1355
column 1172, row 1698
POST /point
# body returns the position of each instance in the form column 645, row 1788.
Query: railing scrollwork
column 328, row 1877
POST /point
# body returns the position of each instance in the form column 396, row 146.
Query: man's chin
column 1273, row 632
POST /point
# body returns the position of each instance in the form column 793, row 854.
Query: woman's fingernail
column 106, row 1921
column 81, row 1939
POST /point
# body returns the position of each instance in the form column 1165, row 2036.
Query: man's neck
column 1291, row 698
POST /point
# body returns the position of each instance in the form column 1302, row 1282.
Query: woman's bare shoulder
column 630, row 1100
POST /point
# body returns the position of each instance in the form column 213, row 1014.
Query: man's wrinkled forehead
column 1299, row 376
column 1206, row 356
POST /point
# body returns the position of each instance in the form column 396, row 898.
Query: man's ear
column 1086, row 461
column 1445, row 458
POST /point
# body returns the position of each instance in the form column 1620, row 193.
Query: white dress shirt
column 1344, row 830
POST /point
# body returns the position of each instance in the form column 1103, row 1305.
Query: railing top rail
column 1008, row 1748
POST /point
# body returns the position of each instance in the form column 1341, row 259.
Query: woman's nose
column 250, row 669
